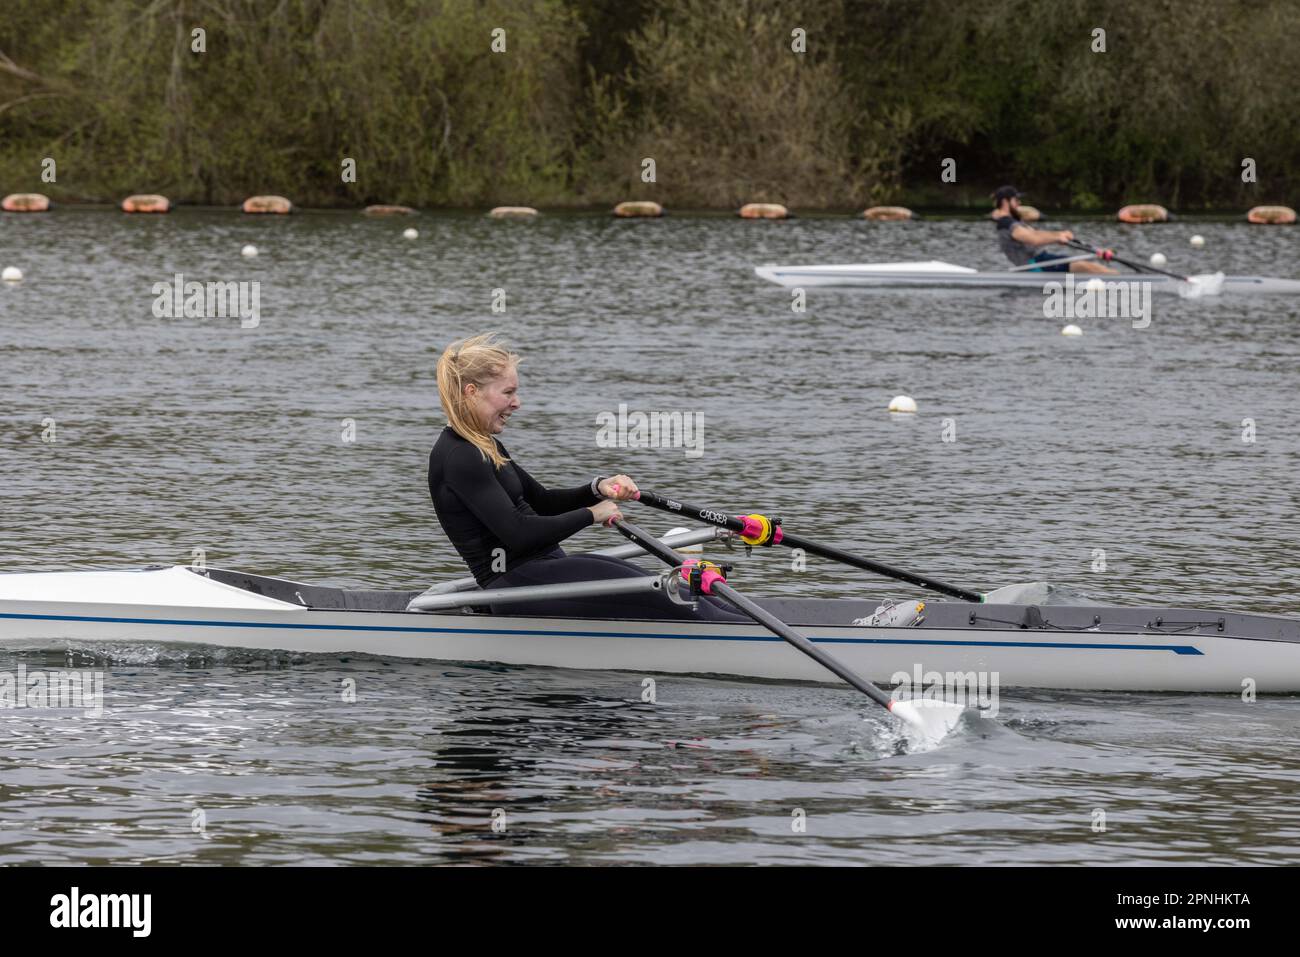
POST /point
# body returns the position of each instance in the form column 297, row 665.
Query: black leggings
column 556, row 570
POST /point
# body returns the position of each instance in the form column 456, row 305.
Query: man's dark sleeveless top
column 483, row 508
column 1018, row 253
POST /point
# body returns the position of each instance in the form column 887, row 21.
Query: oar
column 759, row 530
column 1208, row 283
column 932, row 718
column 1027, row 267
column 1105, row 255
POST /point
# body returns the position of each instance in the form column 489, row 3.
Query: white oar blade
column 1206, row 284
column 928, row 719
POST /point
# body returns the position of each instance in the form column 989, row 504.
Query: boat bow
column 175, row 586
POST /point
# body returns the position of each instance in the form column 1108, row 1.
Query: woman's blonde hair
column 477, row 360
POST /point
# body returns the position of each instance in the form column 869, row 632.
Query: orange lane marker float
column 1143, row 213
column 25, row 203
column 638, row 207
column 1271, row 215
column 268, row 204
column 512, row 212
column 888, row 214
column 146, row 203
column 764, row 211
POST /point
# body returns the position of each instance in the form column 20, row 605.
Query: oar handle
column 750, row 528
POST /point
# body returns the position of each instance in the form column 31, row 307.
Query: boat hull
column 1010, row 657
column 929, row 276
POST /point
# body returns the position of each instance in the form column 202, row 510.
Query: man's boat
column 1048, row 646
column 941, row 275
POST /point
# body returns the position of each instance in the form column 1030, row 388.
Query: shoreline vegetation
column 852, row 104
column 920, row 214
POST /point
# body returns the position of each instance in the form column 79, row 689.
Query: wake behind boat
column 1086, row 647
column 934, row 274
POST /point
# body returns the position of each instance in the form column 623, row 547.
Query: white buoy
column 1158, row 259
column 411, row 233
column 1198, row 241
column 248, row 251
column 12, row 274
column 902, row 403
column 1071, row 330
column 1095, row 284
column 696, row 549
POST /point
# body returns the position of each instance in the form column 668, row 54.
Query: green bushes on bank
column 716, row 93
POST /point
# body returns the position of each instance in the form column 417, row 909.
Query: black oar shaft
column 778, row 627
column 1132, row 265
column 722, row 520
column 921, row 581
column 761, row 615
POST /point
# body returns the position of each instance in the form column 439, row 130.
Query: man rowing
column 1024, row 245
column 505, row 524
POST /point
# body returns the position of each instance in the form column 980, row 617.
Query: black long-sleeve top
column 483, row 508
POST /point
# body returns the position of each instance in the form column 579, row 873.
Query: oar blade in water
column 1206, row 284
column 928, row 720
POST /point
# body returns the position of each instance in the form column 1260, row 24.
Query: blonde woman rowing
column 505, row 524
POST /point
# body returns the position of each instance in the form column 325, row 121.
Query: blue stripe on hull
column 1176, row 649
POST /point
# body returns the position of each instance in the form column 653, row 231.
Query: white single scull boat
column 941, row 275
column 1049, row 646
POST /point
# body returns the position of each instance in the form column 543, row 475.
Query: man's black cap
column 1007, row 192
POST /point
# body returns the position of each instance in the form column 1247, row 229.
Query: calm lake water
column 1113, row 462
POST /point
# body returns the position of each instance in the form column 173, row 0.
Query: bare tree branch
column 9, row 66
column 24, row 99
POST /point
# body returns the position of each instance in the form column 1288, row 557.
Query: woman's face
column 495, row 401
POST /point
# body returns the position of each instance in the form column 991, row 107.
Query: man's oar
column 1030, row 266
column 760, row 530
column 931, row 718
column 1209, row 283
